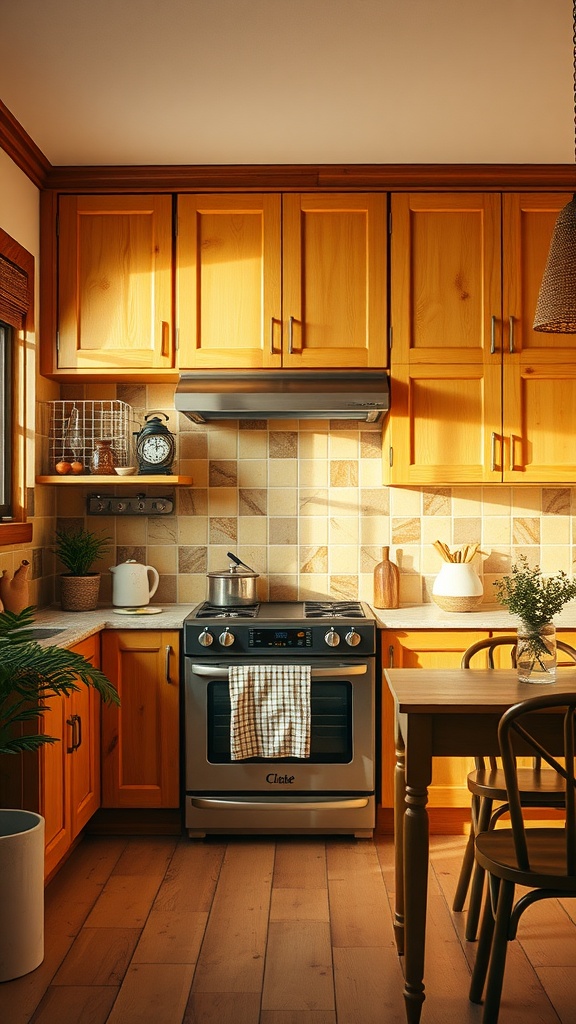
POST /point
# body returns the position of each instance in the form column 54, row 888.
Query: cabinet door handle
column 391, row 656
column 291, row 335
column 75, row 722
column 168, row 652
column 165, row 338
column 493, row 452
column 512, row 464
column 492, row 335
column 511, row 334
column 272, row 321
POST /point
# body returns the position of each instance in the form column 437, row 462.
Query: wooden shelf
column 117, row 481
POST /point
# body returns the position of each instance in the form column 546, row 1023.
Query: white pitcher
column 133, row 584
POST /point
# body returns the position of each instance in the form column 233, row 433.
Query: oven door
column 342, row 735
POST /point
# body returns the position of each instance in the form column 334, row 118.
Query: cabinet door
column 70, row 768
column 55, row 784
column 140, row 739
column 229, row 281
column 115, row 283
column 83, row 724
column 425, row 649
column 446, row 354
column 539, row 368
column 334, row 281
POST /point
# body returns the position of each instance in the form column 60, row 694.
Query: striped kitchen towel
column 270, row 711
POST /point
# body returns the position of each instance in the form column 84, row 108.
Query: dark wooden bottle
column 386, row 583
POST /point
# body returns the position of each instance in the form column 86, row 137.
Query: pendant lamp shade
column 556, row 306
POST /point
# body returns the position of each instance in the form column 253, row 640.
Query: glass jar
column 536, row 653
column 102, row 461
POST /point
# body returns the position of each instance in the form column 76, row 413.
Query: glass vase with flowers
column 535, row 599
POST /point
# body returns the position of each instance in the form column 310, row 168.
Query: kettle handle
column 155, row 579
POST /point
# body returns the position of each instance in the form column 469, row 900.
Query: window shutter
column 14, row 293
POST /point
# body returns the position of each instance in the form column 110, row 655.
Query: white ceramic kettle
column 131, row 584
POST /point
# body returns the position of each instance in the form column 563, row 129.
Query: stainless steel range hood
column 278, row 394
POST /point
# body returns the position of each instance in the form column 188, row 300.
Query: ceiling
column 290, row 81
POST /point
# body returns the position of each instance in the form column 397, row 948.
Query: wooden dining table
column 443, row 713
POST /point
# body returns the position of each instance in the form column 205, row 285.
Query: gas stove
column 293, row 627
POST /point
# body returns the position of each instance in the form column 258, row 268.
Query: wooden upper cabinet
column 477, row 395
column 229, row 301
column 334, row 281
column 539, row 369
column 115, row 283
column 293, row 281
column 446, row 339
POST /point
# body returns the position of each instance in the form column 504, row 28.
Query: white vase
column 21, row 892
column 457, row 587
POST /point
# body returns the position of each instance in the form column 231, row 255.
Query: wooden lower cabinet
column 425, row 649
column 140, row 739
column 69, row 792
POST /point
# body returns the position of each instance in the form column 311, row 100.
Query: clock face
column 155, row 449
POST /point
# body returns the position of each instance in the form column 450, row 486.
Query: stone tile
column 556, row 501
column 223, row 473
column 313, row 559
column 405, row 531
column 283, row 530
column 252, row 501
column 526, row 530
column 343, row 473
column 222, row 529
column 437, row 502
column 192, row 559
column 283, row 444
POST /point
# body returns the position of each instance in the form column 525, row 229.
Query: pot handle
column 155, row 579
column 238, row 561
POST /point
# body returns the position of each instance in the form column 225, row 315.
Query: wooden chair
column 541, row 859
column 487, row 784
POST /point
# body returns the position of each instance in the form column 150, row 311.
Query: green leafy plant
column 30, row 674
column 532, row 596
column 79, row 550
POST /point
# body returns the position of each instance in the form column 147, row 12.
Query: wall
column 302, row 503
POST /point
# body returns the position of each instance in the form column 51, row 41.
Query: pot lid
column 233, row 572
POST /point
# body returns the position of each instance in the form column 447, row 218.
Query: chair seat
column 546, row 851
column 536, row 787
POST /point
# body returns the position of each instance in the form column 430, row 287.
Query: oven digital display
column 280, row 637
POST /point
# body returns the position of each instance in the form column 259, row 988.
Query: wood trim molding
column 312, row 177
column 22, row 149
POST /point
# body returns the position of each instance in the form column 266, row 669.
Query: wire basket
column 75, row 426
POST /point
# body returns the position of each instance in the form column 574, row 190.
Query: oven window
column 330, row 726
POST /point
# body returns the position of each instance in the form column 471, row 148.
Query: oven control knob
column 226, row 638
column 332, row 638
column 352, row 638
column 205, row 638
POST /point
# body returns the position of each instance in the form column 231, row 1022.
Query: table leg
column 418, row 773
column 399, row 808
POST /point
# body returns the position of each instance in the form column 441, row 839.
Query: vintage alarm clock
column 155, row 446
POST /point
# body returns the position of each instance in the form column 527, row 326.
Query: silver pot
column 233, row 586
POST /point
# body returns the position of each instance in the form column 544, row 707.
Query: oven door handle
column 336, row 804
column 334, row 672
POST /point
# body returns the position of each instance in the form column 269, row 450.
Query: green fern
column 30, row 674
column 79, row 550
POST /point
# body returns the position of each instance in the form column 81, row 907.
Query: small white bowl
column 125, row 470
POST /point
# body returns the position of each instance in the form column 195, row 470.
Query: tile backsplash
column 302, row 503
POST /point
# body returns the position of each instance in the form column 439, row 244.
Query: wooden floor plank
column 223, row 1008
column 298, row 1017
column 300, row 864
column 146, row 855
column 153, row 995
column 232, row 955
column 98, row 956
column 191, row 878
column 369, row 985
column 71, row 1004
column 126, row 898
column 299, row 905
column 171, row 937
column 298, row 974
column 358, row 900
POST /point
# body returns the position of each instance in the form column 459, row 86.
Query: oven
column 329, row 792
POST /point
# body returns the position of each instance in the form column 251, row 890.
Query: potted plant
column 78, row 551
column 30, row 674
column 535, row 599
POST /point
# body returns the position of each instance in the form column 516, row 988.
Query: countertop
column 79, row 625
